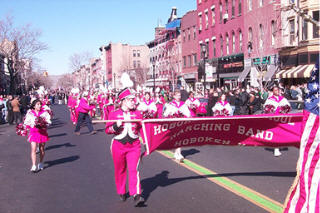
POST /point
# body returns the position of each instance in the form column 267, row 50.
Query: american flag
column 304, row 195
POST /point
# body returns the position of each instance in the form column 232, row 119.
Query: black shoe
column 123, row 197
column 138, row 200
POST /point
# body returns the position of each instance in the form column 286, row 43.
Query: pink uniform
column 37, row 135
column 193, row 105
column 277, row 104
column 125, row 150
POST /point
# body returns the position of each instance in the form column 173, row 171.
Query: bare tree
column 18, row 43
column 37, row 79
column 78, row 59
column 65, row 81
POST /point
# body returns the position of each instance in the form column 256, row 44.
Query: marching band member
column 125, row 146
column 222, row 107
column 276, row 104
column 193, row 104
column 37, row 120
column 177, row 109
column 147, row 107
column 83, row 116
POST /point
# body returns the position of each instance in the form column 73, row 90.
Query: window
column 134, row 53
column 189, row 34
column 233, row 8
column 227, row 7
column 221, row 46
column 315, row 15
column 199, row 1
column 207, row 49
column 213, row 17
column 260, row 3
column 200, row 21
column 261, row 36
column 139, row 65
column 220, row 11
column 214, row 48
column 304, row 29
column 233, row 42
column 250, row 34
column 194, row 32
column 195, row 59
column 184, row 36
column 249, row 5
column 292, row 30
column 227, row 44
column 134, row 64
column 207, row 19
column 240, row 7
column 138, row 53
column 189, row 61
column 240, row 41
column 273, row 32
column 184, row 61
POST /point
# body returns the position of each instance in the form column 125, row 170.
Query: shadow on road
column 60, row 145
column 61, row 161
column 162, row 180
column 56, row 123
column 186, row 153
column 57, row 135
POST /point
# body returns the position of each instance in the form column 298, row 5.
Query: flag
column 305, row 192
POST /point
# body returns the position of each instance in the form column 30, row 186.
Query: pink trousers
column 126, row 157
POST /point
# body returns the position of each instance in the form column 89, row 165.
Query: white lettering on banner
column 189, row 141
column 165, row 127
column 266, row 135
column 282, row 120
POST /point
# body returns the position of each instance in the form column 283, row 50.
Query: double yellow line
column 240, row 190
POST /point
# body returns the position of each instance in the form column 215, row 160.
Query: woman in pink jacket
column 83, row 110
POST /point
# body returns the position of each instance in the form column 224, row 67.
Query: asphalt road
column 78, row 175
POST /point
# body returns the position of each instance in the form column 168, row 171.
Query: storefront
column 229, row 70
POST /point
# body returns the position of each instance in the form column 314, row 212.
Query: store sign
column 263, row 60
column 234, row 64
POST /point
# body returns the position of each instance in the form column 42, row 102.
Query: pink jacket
column 84, row 106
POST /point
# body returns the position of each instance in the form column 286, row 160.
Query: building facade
column 118, row 58
column 220, row 31
column 189, row 44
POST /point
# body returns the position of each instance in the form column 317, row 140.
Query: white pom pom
column 126, row 81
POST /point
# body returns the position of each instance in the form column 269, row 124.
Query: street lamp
column 204, row 57
column 154, row 77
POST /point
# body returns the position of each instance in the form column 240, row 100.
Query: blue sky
column 75, row 26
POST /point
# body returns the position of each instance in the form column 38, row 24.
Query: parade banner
column 253, row 130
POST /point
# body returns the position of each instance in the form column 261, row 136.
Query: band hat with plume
column 126, row 85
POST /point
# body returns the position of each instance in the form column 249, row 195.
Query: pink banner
column 254, row 130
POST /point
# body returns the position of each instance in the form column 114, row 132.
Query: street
column 78, row 176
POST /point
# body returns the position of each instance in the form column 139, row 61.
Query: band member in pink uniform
column 147, row 107
column 125, row 146
column 276, row 104
column 193, row 104
column 37, row 120
column 222, row 107
column 177, row 109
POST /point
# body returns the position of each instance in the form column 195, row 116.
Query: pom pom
column 21, row 130
column 285, row 109
column 269, row 109
column 40, row 123
column 126, row 81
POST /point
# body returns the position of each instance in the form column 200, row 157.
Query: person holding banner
column 125, row 146
column 193, row 104
column 222, row 107
column 177, row 109
column 276, row 104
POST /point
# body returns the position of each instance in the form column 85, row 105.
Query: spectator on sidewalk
column 9, row 109
column 16, row 110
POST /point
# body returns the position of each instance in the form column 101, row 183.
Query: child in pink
column 38, row 133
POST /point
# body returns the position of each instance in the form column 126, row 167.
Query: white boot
column 276, row 152
column 33, row 168
column 178, row 156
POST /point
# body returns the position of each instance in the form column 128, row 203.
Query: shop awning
column 301, row 71
column 244, row 74
column 270, row 72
